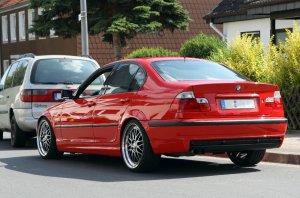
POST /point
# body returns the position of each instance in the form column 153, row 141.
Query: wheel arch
column 125, row 122
column 123, row 125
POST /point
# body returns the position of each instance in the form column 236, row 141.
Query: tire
column 137, row 152
column 246, row 158
column 18, row 137
column 46, row 141
column 30, row 135
column 1, row 135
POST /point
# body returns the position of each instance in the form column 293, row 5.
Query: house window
column 31, row 17
column 22, row 31
column 254, row 34
column 40, row 12
column 13, row 26
column 4, row 29
column 281, row 35
column 52, row 33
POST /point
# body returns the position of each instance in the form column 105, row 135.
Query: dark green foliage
column 201, row 46
column 127, row 18
column 151, row 52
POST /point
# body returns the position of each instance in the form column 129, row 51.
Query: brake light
column 38, row 95
column 275, row 101
column 186, row 102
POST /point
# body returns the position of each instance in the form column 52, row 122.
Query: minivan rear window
column 62, row 71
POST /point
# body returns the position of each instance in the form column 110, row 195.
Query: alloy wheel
column 133, row 146
column 44, row 138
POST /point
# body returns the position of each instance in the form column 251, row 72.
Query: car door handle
column 91, row 104
column 124, row 100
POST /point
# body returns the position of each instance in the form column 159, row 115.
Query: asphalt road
column 23, row 174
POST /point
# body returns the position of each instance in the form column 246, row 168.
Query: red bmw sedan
column 150, row 107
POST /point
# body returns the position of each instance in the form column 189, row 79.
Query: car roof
column 56, row 56
column 154, row 59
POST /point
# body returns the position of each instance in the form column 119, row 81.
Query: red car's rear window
column 188, row 70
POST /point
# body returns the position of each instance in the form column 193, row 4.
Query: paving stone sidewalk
column 289, row 152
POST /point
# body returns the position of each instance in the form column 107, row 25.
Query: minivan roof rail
column 87, row 56
column 28, row 55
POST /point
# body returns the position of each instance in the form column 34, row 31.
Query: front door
column 76, row 122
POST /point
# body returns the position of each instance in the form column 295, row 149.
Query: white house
column 262, row 18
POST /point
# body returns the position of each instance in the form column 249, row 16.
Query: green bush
column 245, row 55
column 201, row 46
column 151, row 52
column 271, row 64
column 288, row 71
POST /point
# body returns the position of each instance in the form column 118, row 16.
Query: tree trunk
column 117, row 46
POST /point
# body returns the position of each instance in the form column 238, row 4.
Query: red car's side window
column 127, row 77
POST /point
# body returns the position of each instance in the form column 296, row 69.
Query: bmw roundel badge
column 238, row 88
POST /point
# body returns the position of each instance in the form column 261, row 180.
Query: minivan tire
column 1, row 135
column 18, row 137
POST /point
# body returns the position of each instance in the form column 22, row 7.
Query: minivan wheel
column 18, row 137
column 46, row 141
column 246, row 158
column 136, row 149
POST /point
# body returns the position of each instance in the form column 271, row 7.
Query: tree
column 118, row 20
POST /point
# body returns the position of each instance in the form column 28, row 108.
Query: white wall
column 233, row 29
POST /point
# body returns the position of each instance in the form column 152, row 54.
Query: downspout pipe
column 212, row 25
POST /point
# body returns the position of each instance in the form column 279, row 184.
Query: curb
column 282, row 158
column 271, row 157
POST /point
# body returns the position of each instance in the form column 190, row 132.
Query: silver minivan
column 31, row 85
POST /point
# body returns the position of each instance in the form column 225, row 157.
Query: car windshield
column 62, row 71
column 189, row 70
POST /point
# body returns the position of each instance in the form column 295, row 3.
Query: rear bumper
column 25, row 119
column 215, row 146
column 184, row 136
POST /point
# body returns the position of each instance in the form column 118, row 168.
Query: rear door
column 120, row 89
column 3, row 107
column 8, row 96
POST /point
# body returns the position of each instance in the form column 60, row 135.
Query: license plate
column 57, row 96
column 238, row 104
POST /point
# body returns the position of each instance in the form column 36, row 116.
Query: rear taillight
column 275, row 101
column 38, row 95
column 26, row 95
column 186, row 102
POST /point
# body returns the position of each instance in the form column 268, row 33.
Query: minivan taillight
column 275, row 101
column 37, row 95
column 186, row 102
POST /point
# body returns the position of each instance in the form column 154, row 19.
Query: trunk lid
column 236, row 98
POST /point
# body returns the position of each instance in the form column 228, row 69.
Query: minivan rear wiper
column 48, row 83
column 68, row 82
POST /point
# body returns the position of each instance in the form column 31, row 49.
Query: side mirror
column 1, row 87
column 66, row 94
